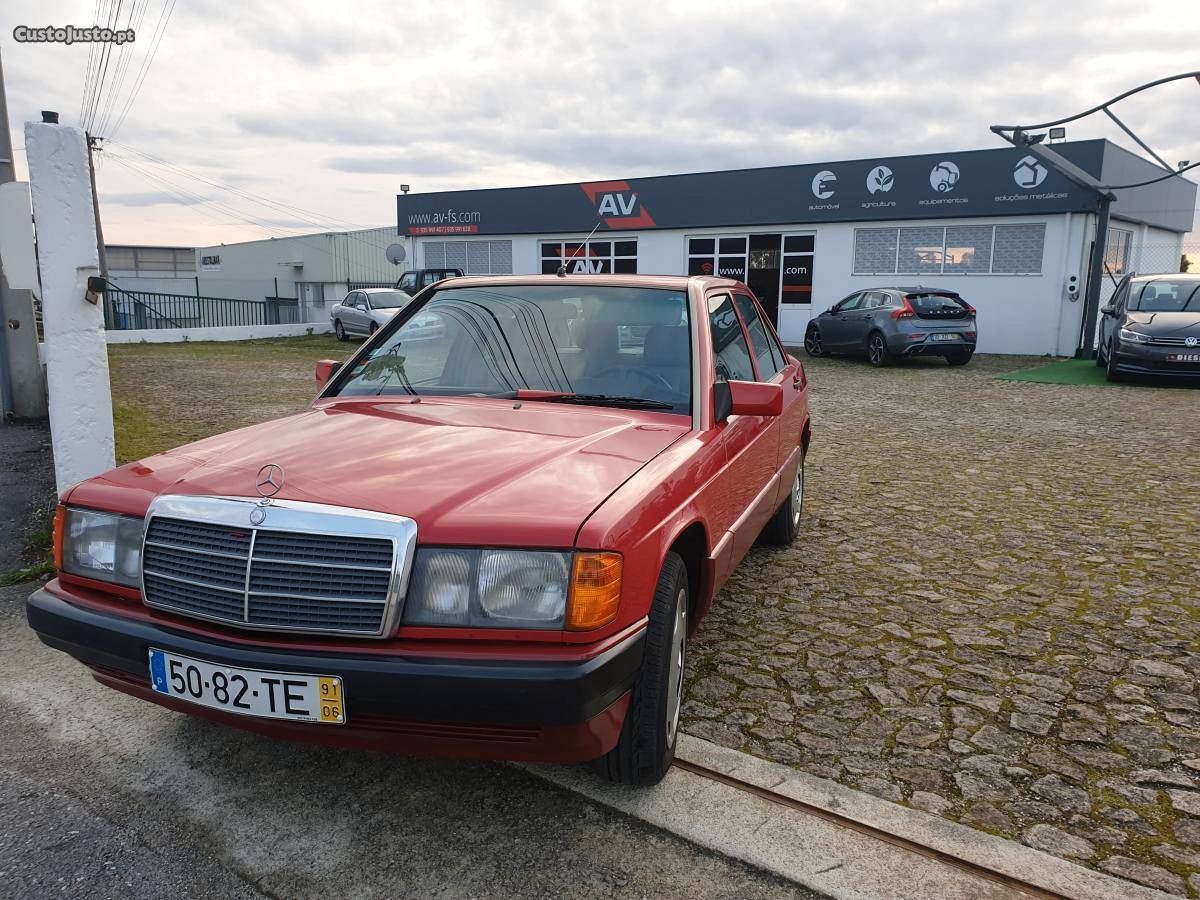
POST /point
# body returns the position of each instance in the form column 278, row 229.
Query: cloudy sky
column 315, row 113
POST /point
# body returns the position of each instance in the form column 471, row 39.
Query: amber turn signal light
column 595, row 590
column 60, row 519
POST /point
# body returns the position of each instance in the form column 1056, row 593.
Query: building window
column 950, row 250
column 875, row 251
column 595, row 257
column 968, row 250
column 473, row 257
column 1017, row 249
column 1117, row 250
column 161, row 262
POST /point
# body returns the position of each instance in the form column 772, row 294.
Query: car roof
column 666, row 282
column 1174, row 276
column 388, row 290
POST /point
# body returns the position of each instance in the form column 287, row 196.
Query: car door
column 773, row 366
column 351, row 315
column 860, row 320
column 836, row 326
column 1113, row 312
column 750, row 444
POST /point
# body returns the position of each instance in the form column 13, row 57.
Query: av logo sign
column 617, row 204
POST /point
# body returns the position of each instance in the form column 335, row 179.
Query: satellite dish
column 396, row 254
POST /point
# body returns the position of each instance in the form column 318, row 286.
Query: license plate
column 248, row 692
column 944, row 337
column 1183, row 357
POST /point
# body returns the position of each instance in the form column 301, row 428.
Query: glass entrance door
column 763, row 272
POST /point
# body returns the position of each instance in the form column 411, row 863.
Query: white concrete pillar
column 81, row 423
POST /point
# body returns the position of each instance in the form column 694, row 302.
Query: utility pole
column 22, row 388
column 93, row 144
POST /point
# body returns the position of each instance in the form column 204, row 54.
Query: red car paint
column 491, row 472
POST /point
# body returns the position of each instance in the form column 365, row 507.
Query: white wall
column 1027, row 314
column 229, row 333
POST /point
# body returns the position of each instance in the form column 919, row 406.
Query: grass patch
column 39, row 548
column 1064, row 371
column 166, row 395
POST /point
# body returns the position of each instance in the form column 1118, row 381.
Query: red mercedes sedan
column 491, row 538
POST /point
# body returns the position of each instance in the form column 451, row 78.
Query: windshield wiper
column 608, row 400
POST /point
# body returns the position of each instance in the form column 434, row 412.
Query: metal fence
column 126, row 310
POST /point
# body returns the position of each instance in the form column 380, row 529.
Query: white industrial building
column 997, row 226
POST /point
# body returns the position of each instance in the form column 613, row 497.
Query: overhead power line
column 164, row 18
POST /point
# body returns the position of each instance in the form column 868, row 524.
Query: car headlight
column 101, row 545
column 501, row 588
column 1134, row 337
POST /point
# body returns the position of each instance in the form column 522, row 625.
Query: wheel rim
column 876, row 349
column 340, row 331
column 797, row 495
column 675, row 675
column 812, row 342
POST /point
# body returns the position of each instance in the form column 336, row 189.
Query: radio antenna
column 562, row 269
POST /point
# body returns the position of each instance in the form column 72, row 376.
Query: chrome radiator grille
column 306, row 567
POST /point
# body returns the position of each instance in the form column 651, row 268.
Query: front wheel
column 339, row 330
column 646, row 747
column 783, row 527
column 812, row 342
column 878, row 353
column 1112, row 373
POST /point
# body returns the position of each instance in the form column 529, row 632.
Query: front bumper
column 1152, row 359
column 502, row 709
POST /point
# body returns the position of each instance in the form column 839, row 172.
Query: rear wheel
column 959, row 357
column 878, row 353
column 374, row 328
column 339, row 330
column 785, row 524
column 646, row 747
column 812, row 342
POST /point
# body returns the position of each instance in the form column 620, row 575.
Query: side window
column 875, row 300
column 408, row 282
column 430, row 278
column 729, row 343
column 850, row 302
column 360, row 300
column 351, row 299
column 766, row 354
column 1119, row 298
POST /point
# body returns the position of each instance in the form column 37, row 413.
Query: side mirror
column 746, row 398
column 1108, row 310
column 326, row 369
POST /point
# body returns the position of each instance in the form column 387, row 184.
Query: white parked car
column 363, row 311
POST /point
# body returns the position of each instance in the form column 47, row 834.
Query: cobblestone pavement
column 992, row 613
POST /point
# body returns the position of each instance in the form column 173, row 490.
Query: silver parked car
column 363, row 311
column 886, row 324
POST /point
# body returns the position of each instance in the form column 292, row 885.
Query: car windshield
column 388, row 299
column 613, row 346
column 1167, row 296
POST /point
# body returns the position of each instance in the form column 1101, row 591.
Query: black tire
column 878, row 353
column 1110, row 364
column 1100, row 357
column 960, row 357
column 646, row 747
column 783, row 527
column 812, row 342
column 374, row 328
column 340, row 331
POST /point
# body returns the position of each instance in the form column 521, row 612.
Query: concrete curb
column 826, row 856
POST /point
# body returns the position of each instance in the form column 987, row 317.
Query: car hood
column 1163, row 324
column 469, row 471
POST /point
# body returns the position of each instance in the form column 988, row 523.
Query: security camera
column 1073, row 286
